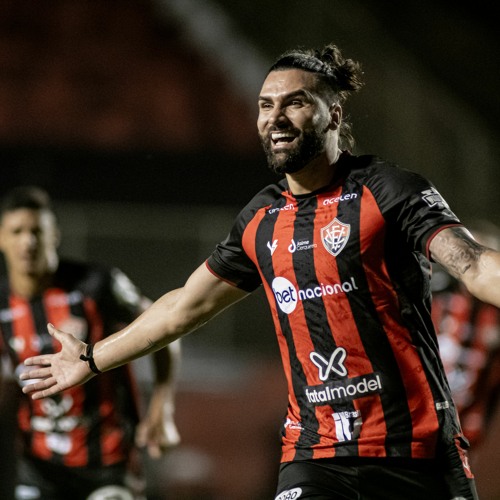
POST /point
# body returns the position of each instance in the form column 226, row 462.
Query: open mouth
column 279, row 139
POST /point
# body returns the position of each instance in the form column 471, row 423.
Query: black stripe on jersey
column 377, row 347
column 314, row 311
column 40, row 320
column 263, row 235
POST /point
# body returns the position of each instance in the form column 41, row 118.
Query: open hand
column 55, row 372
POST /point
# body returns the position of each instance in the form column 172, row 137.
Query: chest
column 315, row 235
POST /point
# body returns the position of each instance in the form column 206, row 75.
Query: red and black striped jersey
column 469, row 342
column 347, row 276
column 88, row 425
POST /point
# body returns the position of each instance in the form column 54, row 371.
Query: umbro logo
column 272, row 246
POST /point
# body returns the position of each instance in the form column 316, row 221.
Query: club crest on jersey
column 335, row 236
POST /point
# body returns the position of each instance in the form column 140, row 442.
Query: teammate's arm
column 477, row 266
column 169, row 318
column 157, row 430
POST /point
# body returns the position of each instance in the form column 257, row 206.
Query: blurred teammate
column 78, row 444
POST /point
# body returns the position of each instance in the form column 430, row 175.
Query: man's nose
column 29, row 240
column 277, row 116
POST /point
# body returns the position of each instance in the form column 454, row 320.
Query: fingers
column 155, row 451
column 42, row 388
column 153, row 442
column 156, row 444
column 57, row 334
column 44, row 394
column 38, row 373
column 41, row 360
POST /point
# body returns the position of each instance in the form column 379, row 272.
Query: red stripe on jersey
column 346, row 335
column 419, row 394
column 283, row 235
column 248, row 238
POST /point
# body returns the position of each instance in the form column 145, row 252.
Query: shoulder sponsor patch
column 433, row 198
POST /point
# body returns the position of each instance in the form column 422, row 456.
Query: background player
column 80, row 442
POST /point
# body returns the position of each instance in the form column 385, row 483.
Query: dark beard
column 310, row 145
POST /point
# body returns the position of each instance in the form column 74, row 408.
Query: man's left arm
column 475, row 265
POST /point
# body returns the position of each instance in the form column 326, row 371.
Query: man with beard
column 342, row 246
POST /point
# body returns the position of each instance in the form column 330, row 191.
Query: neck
column 28, row 286
column 315, row 175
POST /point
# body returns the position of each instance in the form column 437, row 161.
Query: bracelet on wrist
column 89, row 358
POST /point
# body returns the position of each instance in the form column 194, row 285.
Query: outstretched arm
column 477, row 266
column 169, row 318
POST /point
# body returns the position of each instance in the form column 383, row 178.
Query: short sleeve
column 412, row 205
column 230, row 262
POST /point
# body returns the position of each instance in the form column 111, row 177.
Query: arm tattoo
column 456, row 250
column 151, row 346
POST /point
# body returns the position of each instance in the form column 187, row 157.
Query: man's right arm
column 173, row 315
column 476, row 266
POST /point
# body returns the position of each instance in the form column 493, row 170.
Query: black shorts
column 39, row 480
column 372, row 479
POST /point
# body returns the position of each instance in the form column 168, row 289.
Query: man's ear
column 335, row 115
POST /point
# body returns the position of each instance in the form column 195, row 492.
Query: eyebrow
column 296, row 93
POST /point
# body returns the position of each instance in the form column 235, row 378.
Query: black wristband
column 89, row 358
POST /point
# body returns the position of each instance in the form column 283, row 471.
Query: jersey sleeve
column 413, row 205
column 229, row 260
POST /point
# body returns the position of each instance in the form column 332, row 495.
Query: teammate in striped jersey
column 78, row 444
column 342, row 246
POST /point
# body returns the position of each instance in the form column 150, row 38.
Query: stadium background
column 138, row 116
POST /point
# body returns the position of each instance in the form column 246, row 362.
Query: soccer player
column 342, row 245
column 78, row 444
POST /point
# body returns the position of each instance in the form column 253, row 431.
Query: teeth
column 281, row 135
